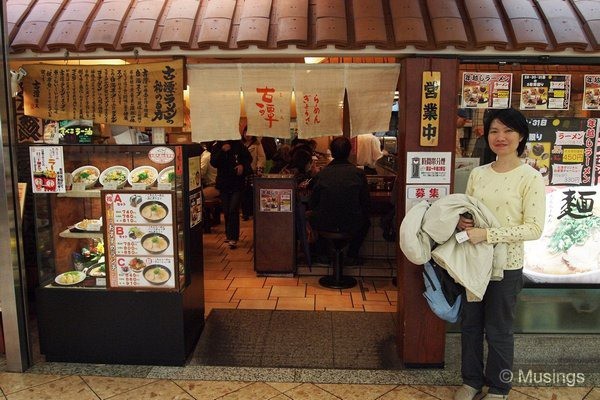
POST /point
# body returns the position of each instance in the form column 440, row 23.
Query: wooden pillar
column 421, row 335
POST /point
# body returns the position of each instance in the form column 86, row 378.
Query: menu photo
column 545, row 92
column 141, row 240
column 486, row 90
column 591, row 92
column 568, row 251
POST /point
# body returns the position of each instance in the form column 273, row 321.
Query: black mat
column 298, row 339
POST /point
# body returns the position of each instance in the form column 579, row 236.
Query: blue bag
column 446, row 304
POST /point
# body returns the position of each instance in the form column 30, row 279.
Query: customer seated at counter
column 340, row 198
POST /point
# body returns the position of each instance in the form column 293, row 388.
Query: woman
column 515, row 193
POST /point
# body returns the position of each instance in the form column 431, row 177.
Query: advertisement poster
column 141, row 244
column 194, row 168
column 47, row 169
column 562, row 149
column 275, row 200
column 195, row 208
column 568, row 252
column 545, row 92
column 486, row 90
column 428, row 167
column 591, row 92
column 417, row 193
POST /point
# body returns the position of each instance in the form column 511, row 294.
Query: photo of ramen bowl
column 115, row 174
column 145, row 174
column 153, row 211
column 155, row 243
column 87, row 175
column 157, row 274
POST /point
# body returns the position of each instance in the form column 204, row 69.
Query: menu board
column 486, row 90
column 47, row 169
column 568, row 251
column 140, row 235
column 545, row 92
column 275, row 200
column 591, row 92
column 562, row 149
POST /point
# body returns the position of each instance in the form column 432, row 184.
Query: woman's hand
column 477, row 235
column 464, row 223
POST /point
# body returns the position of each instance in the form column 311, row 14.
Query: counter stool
column 337, row 241
column 211, row 213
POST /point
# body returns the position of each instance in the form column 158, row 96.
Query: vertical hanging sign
column 430, row 108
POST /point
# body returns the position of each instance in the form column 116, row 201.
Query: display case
column 119, row 235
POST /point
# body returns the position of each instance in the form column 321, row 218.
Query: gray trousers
column 494, row 316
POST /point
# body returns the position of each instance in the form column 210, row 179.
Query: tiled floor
column 73, row 387
column 230, row 282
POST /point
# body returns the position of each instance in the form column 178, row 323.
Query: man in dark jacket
column 232, row 161
column 340, row 198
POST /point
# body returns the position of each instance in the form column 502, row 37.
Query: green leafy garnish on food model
column 572, row 231
column 142, row 176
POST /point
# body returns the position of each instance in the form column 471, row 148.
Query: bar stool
column 338, row 241
column 211, row 213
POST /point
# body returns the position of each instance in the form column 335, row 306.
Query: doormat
column 298, row 339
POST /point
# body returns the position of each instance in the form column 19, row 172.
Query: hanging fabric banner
column 214, row 102
column 132, row 95
column 371, row 91
column 267, row 92
column 319, row 94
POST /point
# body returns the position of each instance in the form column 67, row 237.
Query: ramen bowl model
column 87, row 175
column 153, row 211
column 155, row 243
column 116, row 174
column 145, row 174
column 156, row 274
column 167, row 176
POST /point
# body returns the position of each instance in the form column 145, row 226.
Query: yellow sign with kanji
column 430, row 108
column 132, row 95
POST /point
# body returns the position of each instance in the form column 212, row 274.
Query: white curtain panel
column 319, row 91
column 214, row 101
column 267, row 92
column 370, row 91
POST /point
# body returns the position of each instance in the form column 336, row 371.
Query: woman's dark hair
column 340, row 148
column 513, row 119
column 300, row 160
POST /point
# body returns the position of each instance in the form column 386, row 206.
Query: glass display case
column 119, row 235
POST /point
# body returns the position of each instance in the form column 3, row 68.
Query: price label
column 164, row 186
column 78, row 187
column 110, row 185
column 138, row 186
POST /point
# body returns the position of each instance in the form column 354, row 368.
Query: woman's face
column 502, row 139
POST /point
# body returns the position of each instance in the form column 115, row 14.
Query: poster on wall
column 562, row 149
column 591, row 92
column 47, row 169
column 545, row 92
column 417, row 193
column 141, row 242
column 568, row 251
column 428, row 167
column 486, row 90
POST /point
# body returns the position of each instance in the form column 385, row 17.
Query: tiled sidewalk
column 230, row 282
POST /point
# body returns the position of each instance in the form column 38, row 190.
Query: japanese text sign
column 133, row 95
column 545, row 92
column 430, row 108
column 486, row 90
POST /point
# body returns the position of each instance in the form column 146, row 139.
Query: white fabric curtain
column 214, row 101
column 370, row 91
column 319, row 91
column 267, row 92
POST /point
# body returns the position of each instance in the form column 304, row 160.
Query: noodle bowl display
column 155, row 243
column 156, row 274
column 153, row 211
